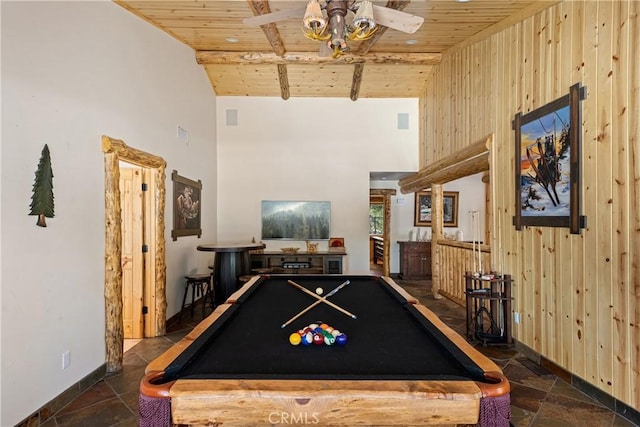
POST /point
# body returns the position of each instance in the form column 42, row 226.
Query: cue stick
column 329, row 303
column 321, row 300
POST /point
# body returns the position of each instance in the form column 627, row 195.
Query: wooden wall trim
column 115, row 150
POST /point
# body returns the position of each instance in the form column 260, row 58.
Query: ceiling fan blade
column 324, row 50
column 397, row 19
column 269, row 18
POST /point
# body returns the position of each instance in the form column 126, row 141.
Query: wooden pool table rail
column 340, row 402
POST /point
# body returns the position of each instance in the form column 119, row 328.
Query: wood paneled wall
column 577, row 294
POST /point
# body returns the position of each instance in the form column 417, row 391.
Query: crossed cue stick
column 320, row 300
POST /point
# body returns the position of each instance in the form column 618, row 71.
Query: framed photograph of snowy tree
column 547, row 164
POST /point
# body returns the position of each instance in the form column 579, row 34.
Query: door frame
column 386, row 234
column 115, row 150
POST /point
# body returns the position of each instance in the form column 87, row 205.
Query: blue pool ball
column 341, row 339
column 307, row 338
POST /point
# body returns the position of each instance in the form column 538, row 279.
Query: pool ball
column 307, row 338
column 341, row 339
column 335, row 332
column 295, row 338
column 303, row 331
column 318, row 339
column 328, row 338
column 319, row 291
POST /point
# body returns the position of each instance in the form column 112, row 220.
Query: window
column 376, row 218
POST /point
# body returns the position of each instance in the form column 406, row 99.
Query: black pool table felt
column 386, row 341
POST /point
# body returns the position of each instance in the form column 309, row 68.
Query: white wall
column 71, row 72
column 471, row 197
column 309, row 149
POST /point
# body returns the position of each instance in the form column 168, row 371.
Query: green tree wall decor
column 42, row 198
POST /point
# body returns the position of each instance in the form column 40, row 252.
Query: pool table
column 401, row 364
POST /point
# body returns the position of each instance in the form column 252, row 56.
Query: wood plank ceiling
column 277, row 60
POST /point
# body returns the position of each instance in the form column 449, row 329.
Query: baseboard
column 63, row 399
column 587, row 388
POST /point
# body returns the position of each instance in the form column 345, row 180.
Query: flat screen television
column 296, row 220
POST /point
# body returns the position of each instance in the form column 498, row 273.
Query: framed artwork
column 336, row 244
column 547, row 164
column 422, row 217
column 295, row 220
column 187, row 198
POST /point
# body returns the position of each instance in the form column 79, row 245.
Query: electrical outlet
column 66, row 359
column 516, row 317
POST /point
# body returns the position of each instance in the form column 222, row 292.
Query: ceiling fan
column 332, row 22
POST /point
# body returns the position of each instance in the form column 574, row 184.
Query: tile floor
column 538, row 397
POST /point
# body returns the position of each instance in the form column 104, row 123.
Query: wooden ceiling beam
column 283, row 77
column 206, row 57
column 472, row 159
column 261, row 7
column 464, row 168
column 357, row 79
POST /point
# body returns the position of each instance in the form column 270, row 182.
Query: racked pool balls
column 318, row 333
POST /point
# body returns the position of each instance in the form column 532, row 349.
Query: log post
column 114, row 328
column 437, row 197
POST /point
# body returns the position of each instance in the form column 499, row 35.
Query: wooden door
column 132, row 256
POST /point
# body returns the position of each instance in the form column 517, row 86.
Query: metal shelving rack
column 488, row 300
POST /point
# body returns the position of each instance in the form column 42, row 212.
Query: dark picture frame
column 187, row 206
column 422, row 209
column 547, row 164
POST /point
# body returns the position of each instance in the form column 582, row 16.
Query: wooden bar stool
column 200, row 285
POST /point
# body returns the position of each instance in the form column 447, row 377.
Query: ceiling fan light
column 313, row 19
column 364, row 16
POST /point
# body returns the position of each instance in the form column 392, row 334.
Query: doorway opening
column 376, row 234
column 380, row 222
column 154, row 274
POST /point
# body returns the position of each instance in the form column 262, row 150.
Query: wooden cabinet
column 300, row 263
column 415, row 260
